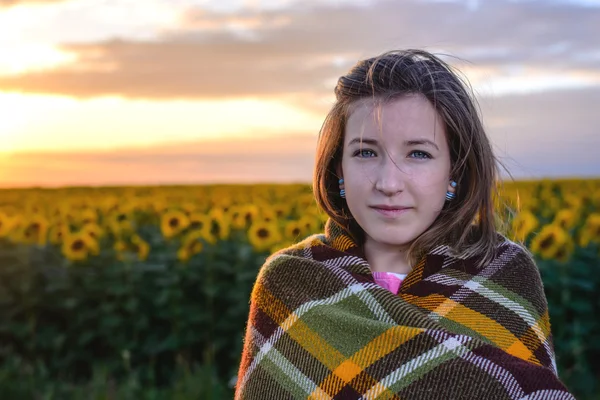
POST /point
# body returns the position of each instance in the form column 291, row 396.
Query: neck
column 385, row 258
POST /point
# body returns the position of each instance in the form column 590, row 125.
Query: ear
column 451, row 189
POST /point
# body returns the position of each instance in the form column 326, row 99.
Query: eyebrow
column 414, row 142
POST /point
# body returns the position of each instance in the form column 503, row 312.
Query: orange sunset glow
column 159, row 92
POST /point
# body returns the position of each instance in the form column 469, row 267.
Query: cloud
column 10, row 3
column 303, row 49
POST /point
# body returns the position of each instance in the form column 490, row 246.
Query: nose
column 389, row 177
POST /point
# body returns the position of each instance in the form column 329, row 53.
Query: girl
column 410, row 293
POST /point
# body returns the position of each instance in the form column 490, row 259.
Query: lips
column 392, row 212
column 390, row 208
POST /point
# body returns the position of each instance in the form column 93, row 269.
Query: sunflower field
column 143, row 292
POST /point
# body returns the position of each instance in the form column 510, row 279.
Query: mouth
column 387, row 208
column 392, row 212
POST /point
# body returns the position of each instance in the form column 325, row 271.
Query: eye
column 420, row 154
column 361, row 152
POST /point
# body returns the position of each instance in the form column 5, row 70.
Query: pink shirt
column 389, row 280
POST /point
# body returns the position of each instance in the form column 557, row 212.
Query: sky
column 120, row 92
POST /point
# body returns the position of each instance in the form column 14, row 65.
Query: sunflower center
column 78, row 245
column 35, row 227
column 196, row 225
column 547, row 242
column 174, row 222
column 296, row 231
column 121, row 217
column 263, row 233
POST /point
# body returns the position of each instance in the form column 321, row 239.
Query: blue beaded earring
column 450, row 195
column 342, row 190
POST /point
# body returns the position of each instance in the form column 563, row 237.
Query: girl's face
column 402, row 161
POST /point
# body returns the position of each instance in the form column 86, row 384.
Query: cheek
column 430, row 184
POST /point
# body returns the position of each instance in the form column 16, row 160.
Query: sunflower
column 263, row 235
column 189, row 207
column 160, row 206
column 552, row 242
column 249, row 213
column 199, row 221
column 140, row 247
column 79, row 246
column 7, row 224
column 120, row 246
column 220, row 228
column 551, row 204
column 523, row 224
column 57, row 233
column 566, row 218
column 573, row 201
column 193, row 244
column 592, row 224
column 217, row 213
column 88, row 216
column 293, row 230
column 173, row 222
column 584, row 238
column 564, row 250
column 310, row 223
column 93, row 230
column 590, row 232
column 120, row 223
column 35, row 230
column 268, row 214
column 238, row 219
column 281, row 210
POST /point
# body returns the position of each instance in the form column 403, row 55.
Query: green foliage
column 571, row 289
column 21, row 381
column 126, row 324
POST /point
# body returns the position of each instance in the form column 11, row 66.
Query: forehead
column 404, row 117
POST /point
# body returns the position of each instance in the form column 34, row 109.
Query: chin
column 391, row 239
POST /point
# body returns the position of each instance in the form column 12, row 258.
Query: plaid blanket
column 320, row 328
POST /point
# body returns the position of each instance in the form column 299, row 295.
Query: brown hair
column 467, row 224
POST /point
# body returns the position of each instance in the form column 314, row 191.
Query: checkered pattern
column 319, row 327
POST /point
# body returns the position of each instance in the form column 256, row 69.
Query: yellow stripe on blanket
column 485, row 326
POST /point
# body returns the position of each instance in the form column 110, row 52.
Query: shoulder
column 280, row 264
column 517, row 271
column 521, row 254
